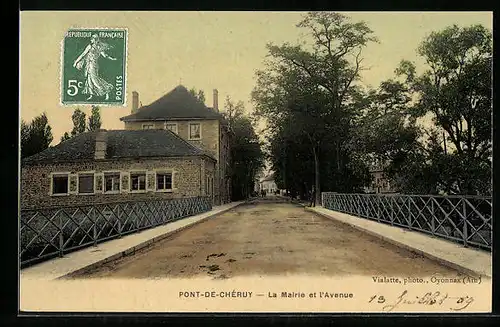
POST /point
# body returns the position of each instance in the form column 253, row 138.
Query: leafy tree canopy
column 36, row 135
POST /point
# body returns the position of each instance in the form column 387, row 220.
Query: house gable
column 178, row 104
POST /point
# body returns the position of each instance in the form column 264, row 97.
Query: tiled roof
column 176, row 104
column 120, row 144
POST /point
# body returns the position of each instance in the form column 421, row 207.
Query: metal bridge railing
column 48, row 232
column 462, row 219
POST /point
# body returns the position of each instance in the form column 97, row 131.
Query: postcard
column 345, row 169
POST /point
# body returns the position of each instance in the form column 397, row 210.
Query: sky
column 205, row 50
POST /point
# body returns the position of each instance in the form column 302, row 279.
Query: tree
column 247, row 157
column 233, row 111
column 65, row 137
column 35, row 136
column 456, row 90
column 200, row 95
column 25, row 135
column 312, row 89
column 79, row 123
column 387, row 134
column 94, row 122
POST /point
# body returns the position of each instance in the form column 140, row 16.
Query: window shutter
column 174, row 180
column 73, row 182
column 150, row 181
column 98, row 182
column 124, row 181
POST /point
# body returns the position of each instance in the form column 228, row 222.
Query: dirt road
column 266, row 238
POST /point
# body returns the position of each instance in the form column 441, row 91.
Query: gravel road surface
column 269, row 238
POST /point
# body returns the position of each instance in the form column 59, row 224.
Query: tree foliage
column 80, row 124
column 198, row 94
column 94, row 122
column 306, row 93
column 455, row 90
column 321, row 122
column 36, row 136
column 247, row 157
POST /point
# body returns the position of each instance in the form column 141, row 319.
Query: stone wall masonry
column 36, row 181
column 209, row 132
column 214, row 139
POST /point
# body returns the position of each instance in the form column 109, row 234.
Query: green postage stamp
column 93, row 67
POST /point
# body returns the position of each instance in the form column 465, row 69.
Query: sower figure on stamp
column 89, row 62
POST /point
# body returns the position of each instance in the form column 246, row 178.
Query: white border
column 61, row 68
column 19, row 171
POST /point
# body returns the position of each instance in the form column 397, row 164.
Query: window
column 138, row 181
column 148, row 126
column 60, row 184
column 171, row 127
column 194, row 131
column 111, row 182
column 85, row 183
column 164, row 181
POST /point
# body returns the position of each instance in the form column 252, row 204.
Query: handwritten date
column 430, row 298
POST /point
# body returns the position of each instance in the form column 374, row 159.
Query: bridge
column 350, row 234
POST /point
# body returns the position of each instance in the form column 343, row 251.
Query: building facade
column 183, row 114
column 380, row 183
column 115, row 166
column 268, row 185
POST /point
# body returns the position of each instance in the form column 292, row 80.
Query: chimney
column 100, row 144
column 135, row 101
column 216, row 100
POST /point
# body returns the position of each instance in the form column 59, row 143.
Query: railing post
column 137, row 219
column 392, row 210
column 94, row 227
column 358, row 209
column 465, row 232
column 433, row 218
column 61, row 236
column 119, row 221
column 378, row 208
column 409, row 212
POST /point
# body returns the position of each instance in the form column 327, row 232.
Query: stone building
column 268, row 184
column 182, row 113
column 380, row 183
column 116, row 165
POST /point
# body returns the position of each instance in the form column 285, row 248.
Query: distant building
column 260, row 175
column 114, row 166
column 268, row 184
column 183, row 114
column 380, row 183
